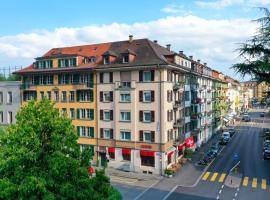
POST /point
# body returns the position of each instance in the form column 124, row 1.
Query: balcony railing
column 179, row 123
column 178, row 86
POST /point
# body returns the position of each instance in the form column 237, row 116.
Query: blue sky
column 206, row 29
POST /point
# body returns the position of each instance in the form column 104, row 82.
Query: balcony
column 178, row 104
column 179, row 123
column 178, row 86
column 195, row 115
column 125, row 85
column 179, row 139
column 196, row 101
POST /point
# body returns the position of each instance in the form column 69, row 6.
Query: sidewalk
column 188, row 176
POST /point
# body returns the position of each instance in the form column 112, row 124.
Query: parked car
column 211, row 154
column 266, row 144
column 262, row 114
column 215, row 148
column 266, row 154
column 225, row 138
column 246, row 118
column 231, row 131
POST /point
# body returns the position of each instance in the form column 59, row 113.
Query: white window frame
column 104, row 115
column 72, row 113
column 144, row 136
column 124, row 100
column 106, row 94
column 9, row 97
column 107, row 133
column 144, row 72
column 123, row 132
column 125, row 115
column 146, row 112
column 144, row 99
column 1, row 117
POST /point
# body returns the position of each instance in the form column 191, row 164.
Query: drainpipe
column 160, row 124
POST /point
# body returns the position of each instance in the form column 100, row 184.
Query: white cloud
column 219, row 4
column 212, row 41
column 175, row 9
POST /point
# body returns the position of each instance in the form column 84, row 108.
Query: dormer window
column 125, row 58
column 106, row 60
column 91, row 59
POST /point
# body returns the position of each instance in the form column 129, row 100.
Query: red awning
column 126, row 151
column 147, row 153
column 111, row 150
column 170, row 153
column 181, row 146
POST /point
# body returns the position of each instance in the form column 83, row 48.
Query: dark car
column 262, row 114
column 231, row 131
column 211, row 154
column 266, row 154
column 215, row 148
column 246, row 118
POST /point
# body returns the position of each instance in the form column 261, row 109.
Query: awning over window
column 170, row 153
column 126, row 151
column 147, row 153
column 111, row 150
column 181, row 146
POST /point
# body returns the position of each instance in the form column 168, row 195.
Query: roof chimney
column 168, row 46
column 198, row 61
column 155, row 41
column 130, row 38
column 191, row 57
column 181, row 52
column 205, row 64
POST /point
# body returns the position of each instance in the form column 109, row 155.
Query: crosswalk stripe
column 222, row 177
column 213, row 178
column 254, row 183
column 245, row 182
column 264, row 184
column 206, row 175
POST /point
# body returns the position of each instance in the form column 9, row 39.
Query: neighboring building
column 134, row 102
column 259, row 90
column 10, row 101
column 232, row 95
column 246, row 96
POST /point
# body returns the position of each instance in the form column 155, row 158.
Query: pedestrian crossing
column 252, row 182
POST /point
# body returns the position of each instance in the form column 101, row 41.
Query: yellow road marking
column 264, row 184
column 245, row 182
column 254, row 183
column 222, row 177
column 206, row 175
column 213, row 178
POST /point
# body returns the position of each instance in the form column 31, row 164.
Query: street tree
column 256, row 52
column 40, row 159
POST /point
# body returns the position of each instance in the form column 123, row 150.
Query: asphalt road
column 252, row 182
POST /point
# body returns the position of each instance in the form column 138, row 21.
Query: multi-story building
column 10, row 101
column 246, row 95
column 259, row 89
column 65, row 76
column 136, row 103
column 232, row 95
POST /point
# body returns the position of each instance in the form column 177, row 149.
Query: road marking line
column 222, row 186
column 206, row 175
column 222, row 177
column 245, row 182
column 254, row 183
column 220, row 191
column 235, row 194
column 214, row 177
column 264, row 184
column 217, row 197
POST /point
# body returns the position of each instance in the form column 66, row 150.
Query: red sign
column 189, row 142
column 91, row 170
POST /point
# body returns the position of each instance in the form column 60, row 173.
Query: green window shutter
column 37, row 80
column 67, row 78
column 92, row 114
column 66, row 63
column 91, row 80
column 59, row 79
column 76, row 78
column 78, row 113
column 92, row 150
column 92, row 132
column 51, row 64
column 78, row 96
column 91, row 95
column 74, row 62
column 78, row 130
column 59, row 63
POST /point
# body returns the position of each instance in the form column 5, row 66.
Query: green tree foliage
column 12, row 77
column 256, row 52
column 40, row 159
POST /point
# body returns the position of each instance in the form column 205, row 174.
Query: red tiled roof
column 146, row 52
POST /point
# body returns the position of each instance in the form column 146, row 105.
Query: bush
column 188, row 153
column 168, row 172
